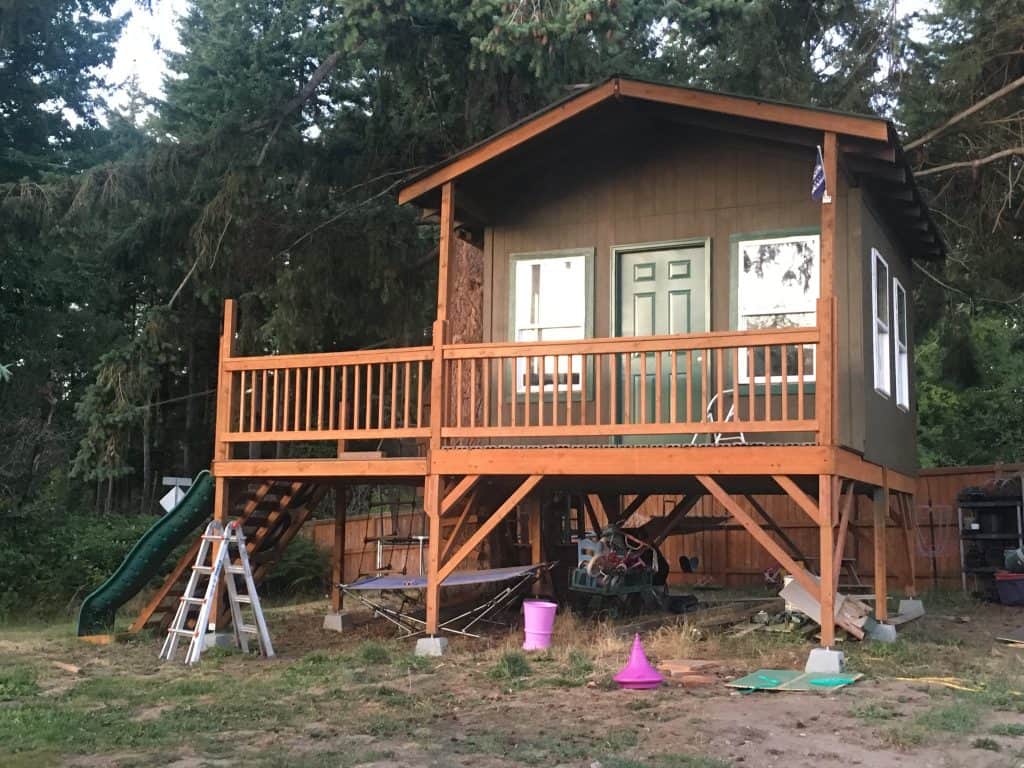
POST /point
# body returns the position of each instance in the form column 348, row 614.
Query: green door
column 660, row 291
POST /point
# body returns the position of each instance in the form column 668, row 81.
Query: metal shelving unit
column 989, row 525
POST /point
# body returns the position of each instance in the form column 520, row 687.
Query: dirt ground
column 363, row 699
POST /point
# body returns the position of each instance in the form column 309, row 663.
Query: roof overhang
column 869, row 143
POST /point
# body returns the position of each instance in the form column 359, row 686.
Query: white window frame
column 561, row 373
column 743, row 376
column 881, row 328
column 901, row 341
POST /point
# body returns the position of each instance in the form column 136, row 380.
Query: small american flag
column 818, row 178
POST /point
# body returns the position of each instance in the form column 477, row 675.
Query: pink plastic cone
column 638, row 672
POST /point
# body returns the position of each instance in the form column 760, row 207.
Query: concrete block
column 879, row 632
column 338, row 622
column 219, row 640
column 431, row 646
column 910, row 609
column 825, row 661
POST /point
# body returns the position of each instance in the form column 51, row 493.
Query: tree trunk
column 147, row 456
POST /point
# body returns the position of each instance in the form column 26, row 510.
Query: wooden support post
column 880, row 519
column 827, row 357
column 221, row 512
column 826, row 583
column 338, row 556
column 432, row 507
column 532, row 506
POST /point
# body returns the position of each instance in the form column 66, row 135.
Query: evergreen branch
column 965, row 113
column 962, row 292
column 971, row 163
column 318, row 76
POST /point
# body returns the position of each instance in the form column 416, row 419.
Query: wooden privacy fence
column 730, row 557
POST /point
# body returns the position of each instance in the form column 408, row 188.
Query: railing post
column 828, row 347
column 221, row 448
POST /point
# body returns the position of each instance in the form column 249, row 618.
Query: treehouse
column 637, row 295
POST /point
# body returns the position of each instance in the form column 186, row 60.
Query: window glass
column 777, row 287
column 880, row 312
column 902, row 353
column 549, row 304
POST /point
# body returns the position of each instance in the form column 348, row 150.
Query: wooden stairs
column 272, row 514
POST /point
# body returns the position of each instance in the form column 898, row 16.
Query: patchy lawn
column 364, row 700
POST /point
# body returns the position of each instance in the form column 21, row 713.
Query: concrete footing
column 825, row 661
column 879, row 632
column 431, row 646
column 219, row 640
column 338, row 622
column 910, row 609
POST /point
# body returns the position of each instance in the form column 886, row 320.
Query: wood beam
column 338, row 550
column 466, row 508
column 221, row 449
column 491, row 523
column 464, row 486
column 532, row 504
column 633, row 506
column 802, row 500
column 445, row 248
column 844, row 526
column 592, row 515
column 793, row 548
column 909, row 541
column 432, row 507
column 880, row 525
column 826, row 577
column 679, row 511
column 754, row 529
column 368, row 471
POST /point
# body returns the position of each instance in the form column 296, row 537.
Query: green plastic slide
column 143, row 562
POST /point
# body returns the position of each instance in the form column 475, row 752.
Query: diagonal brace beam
column 754, row 529
column 679, row 511
column 461, row 489
column 805, row 502
column 492, row 522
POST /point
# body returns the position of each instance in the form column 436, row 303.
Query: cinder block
column 431, row 646
column 825, row 661
column 338, row 622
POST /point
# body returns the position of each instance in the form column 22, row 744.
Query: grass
column 1007, row 729
column 17, row 681
column 983, row 742
column 875, row 712
column 512, row 665
column 961, row 717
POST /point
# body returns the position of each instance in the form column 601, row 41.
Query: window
column 549, row 303
column 777, row 287
column 899, row 304
column 880, row 313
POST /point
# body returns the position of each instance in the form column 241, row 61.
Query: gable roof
column 870, row 140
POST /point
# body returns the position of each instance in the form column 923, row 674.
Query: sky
column 149, row 33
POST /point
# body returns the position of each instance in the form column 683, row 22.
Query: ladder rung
column 244, row 599
column 193, row 600
column 249, row 629
column 183, row 632
column 202, row 568
column 235, row 569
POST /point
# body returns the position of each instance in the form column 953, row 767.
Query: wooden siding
column 731, row 557
column 669, row 183
column 891, row 433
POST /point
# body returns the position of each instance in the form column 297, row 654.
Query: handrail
column 679, row 342
column 315, row 359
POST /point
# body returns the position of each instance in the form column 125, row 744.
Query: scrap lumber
column 850, row 613
column 703, row 618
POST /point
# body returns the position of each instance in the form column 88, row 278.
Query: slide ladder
column 270, row 515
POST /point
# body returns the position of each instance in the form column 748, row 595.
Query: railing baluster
column 356, row 405
column 406, row 389
column 658, row 416
column 643, row 388
column 343, row 407
column 472, row 393
column 598, row 388
column 252, row 402
column 332, row 400
column 458, row 392
column 556, row 360
column 394, row 394
column 800, row 383
column 380, row 395
column 673, row 388
column 501, row 393
column 419, row 394
column 720, row 385
column 263, row 403
column 751, row 385
column 286, row 399
column 688, row 385
column 309, row 397
column 241, row 403
column 368, row 408
column 784, row 389
column 486, row 410
column 736, row 384
column 705, row 363
column 767, row 383
column 613, row 379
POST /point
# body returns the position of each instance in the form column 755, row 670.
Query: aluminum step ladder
column 220, row 565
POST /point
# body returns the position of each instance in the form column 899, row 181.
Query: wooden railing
column 714, row 386
column 708, row 384
column 328, row 396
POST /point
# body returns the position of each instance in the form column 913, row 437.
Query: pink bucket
column 538, row 621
